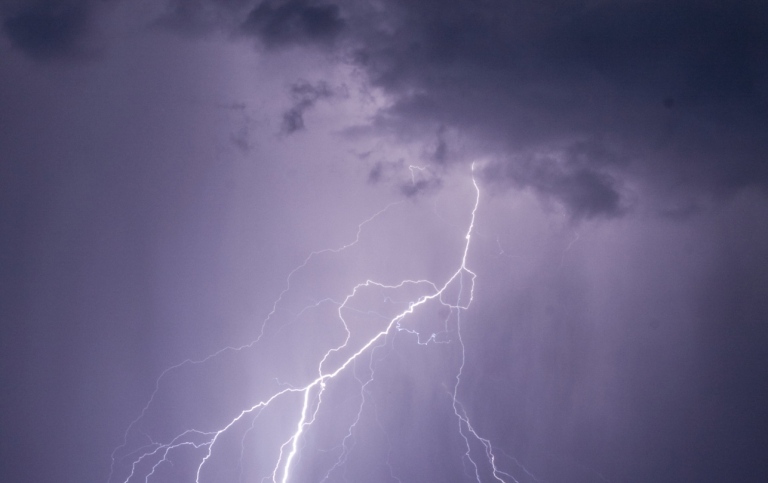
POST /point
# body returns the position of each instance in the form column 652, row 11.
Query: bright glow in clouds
column 308, row 428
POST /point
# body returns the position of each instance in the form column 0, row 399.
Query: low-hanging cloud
column 304, row 96
column 587, row 103
column 48, row 30
column 278, row 24
column 576, row 99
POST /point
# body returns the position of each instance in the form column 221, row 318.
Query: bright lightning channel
column 313, row 391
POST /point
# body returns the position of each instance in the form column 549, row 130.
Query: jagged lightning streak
column 158, row 447
column 312, row 392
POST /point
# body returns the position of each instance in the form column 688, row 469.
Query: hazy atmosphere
column 383, row 241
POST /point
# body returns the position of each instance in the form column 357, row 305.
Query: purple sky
column 167, row 168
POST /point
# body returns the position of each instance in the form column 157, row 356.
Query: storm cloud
column 598, row 105
column 304, row 96
column 574, row 99
column 278, row 24
column 47, row 30
column 601, row 106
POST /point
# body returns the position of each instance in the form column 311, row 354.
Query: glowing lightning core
column 456, row 294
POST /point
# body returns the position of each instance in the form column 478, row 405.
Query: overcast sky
column 180, row 177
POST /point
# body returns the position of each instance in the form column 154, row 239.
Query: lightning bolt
column 455, row 294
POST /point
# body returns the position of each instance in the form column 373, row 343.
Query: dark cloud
column 441, row 152
column 48, row 30
column 584, row 191
column 411, row 181
column 673, row 96
column 420, row 186
column 304, row 95
column 278, row 24
column 199, row 17
column 670, row 98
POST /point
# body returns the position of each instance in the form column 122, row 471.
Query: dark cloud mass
column 586, row 192
column 304, row 96
column 48, row 30
column 198, row 17
column 672, row 94
column 278, row 24
column 671, row 98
